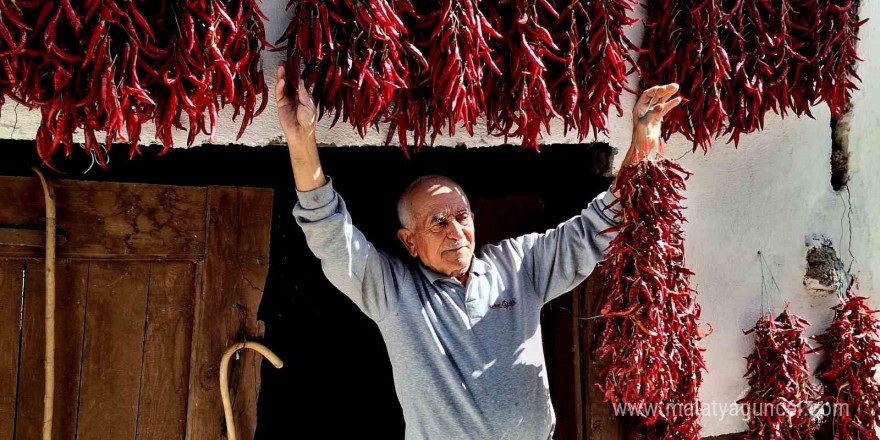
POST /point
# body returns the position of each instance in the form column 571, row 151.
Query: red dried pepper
column 356, row 56
column 596, row 64
column 457, row 48
column 780, row 392
column 113, row 65
column 650, row 330
column 852, row 348
column 761, row 49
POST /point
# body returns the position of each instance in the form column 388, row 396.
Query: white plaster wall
column 768, row 195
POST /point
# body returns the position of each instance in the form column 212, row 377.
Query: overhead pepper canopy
column 736, row 60
column 429, row 66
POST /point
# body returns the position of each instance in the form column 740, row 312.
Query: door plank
column 576, row 324
column 10, row 336
column 232, row 279
column 113, row 352
column 162, row 407
column 70, row 303
column 601, row 423
column 558, row 343
column 110, row 220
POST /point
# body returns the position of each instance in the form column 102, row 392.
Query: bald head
column 437, row 226
column 421, row 189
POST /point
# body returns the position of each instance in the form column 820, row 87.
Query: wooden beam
column 167, row 345
column 113, row 352
column 109, row 220
column 576, row 309
column 27, row 238
column 601, row 421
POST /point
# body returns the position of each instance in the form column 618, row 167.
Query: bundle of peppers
column 683, row 44
column 112, row 65
column 852, row 348
column 736, row 60
column 651, row 330
column 357, row 55
column 780, row 391
column 828, row 32
column 762, row 52
column 524, row 100
column 429, row 67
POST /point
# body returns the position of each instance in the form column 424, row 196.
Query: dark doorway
column 337, row 380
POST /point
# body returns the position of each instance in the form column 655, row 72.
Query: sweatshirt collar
column 478, row 267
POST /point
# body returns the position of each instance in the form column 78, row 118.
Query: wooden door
column 153, row 283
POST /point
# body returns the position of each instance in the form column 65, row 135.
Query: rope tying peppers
column 651, row 328
column 852, row 348
column 112, row 65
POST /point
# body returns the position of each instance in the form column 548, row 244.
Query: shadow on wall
column 337, row 378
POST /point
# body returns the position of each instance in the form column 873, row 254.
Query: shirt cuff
column 318, row 197
column 607, row 199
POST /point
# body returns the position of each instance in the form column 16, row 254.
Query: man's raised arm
column 349, row 261
column 561, row 258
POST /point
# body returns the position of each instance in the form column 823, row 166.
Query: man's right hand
column 298, row 119
column 297, row 116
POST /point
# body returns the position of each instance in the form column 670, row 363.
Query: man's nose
column 455, row 230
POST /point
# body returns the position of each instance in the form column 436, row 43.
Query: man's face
column 441, row 233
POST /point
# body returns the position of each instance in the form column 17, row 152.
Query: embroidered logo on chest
column 503, row 304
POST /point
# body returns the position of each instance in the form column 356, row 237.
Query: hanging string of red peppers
column 780, row 390
column 112, row 65
column 429, row 67
column 852, row 349
column 738, row 59
column 650, row 328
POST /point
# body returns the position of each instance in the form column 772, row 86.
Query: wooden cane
column 224, row 378
column 49, row 364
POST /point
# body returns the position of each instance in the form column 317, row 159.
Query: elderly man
column 462, row 328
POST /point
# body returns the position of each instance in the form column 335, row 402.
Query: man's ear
column 406, row 237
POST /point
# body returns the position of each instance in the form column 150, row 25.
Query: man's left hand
column 648, row 114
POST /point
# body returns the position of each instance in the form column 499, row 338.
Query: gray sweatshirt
column 468, row 361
